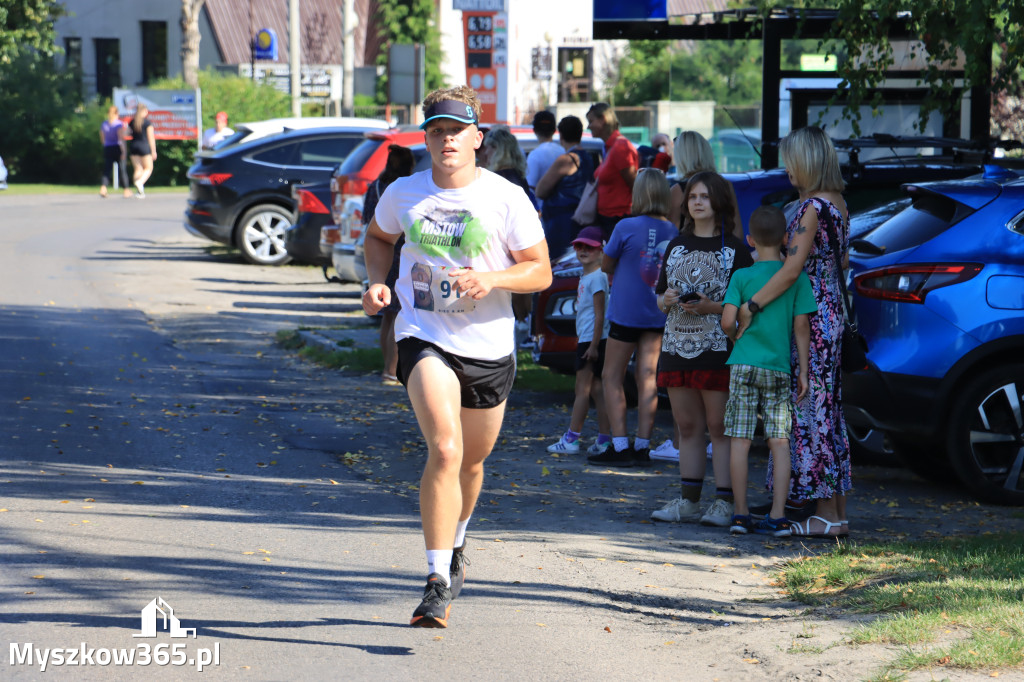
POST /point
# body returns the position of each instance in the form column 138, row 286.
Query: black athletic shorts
column 596, row 365
column 485, row 383
column 630, row 334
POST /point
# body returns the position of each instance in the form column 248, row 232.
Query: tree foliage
column 27, row 25
column 42, row 99
column 727, row 73
column 411, row 21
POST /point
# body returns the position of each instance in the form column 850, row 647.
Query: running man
column 472, row 239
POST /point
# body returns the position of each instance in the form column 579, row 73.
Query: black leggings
column 112, row 155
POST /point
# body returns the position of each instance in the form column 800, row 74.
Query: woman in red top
column 617, row 172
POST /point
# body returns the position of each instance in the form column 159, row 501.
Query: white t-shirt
column 212, row 136
column 477, row 226
column 539, row 160
column 589, row 285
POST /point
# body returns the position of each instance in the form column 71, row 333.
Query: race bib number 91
column 434, row 290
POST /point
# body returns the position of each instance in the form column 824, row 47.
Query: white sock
column 460, row 532
column 440, row 562
column 641, row 443
column 620, row 443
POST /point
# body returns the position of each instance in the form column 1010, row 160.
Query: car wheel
column 986, row 435
column 260, row 235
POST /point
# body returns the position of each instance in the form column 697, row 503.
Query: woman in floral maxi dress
column 820, row 448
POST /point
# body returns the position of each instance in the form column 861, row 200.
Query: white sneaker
column 564, row 446
column 598, row 448
column 718, row 514
column 709, row 450
column 678, row 510
column 665, row 451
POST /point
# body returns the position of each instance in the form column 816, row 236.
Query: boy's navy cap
column 449, row 108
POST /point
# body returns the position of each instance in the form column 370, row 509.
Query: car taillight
column 308, row 203
column 911, row 283
column 356, row 186
column 330, row 234
column 213, row 179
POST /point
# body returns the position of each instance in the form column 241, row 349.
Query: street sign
column 265, row 45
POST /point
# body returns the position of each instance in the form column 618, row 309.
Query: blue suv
column 938, row 291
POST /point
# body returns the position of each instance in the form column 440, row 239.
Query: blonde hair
column 140, row 116
column 650, row 193
column 693, row 154
column 460, row 93
column 503, row 150
column 604, row 111
column 811, row 159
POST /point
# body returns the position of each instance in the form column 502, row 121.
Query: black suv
column 241, row 195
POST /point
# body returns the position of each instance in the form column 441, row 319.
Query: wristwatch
column 753, row 306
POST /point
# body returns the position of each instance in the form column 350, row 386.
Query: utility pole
column 349, row 21
column 294, row 61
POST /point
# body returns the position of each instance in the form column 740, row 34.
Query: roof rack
column 909, row 141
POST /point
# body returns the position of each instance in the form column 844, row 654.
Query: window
column 154, row 50
column 929, row 216
column 327, row 151
column 73, row 55
column 355, row 161
column 108, row 66
column 280, row 155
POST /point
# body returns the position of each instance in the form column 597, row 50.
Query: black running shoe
column 642, row 457
column 458, row 569
column 611, row 458
column 437, row 602
column 793, row 511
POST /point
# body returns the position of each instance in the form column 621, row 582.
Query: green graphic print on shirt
column 445, row 233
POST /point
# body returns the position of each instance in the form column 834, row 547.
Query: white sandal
column 803, row 529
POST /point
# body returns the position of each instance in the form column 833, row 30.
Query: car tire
column 986, row 435
column 260, row 234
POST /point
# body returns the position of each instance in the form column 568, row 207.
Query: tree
column 727, row 72
column 982, row 32
column 190, row 11
column 406, row 22
column 27, row 25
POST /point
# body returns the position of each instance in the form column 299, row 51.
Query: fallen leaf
column 607, row 629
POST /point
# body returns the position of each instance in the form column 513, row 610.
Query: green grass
column 533, row 377
column 529, row 376
column 955, row 602
column 27, row 189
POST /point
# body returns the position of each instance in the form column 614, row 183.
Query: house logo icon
column 149, row 620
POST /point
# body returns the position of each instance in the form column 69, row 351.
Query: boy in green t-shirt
column 760, row 372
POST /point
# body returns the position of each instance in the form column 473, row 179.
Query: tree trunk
column 190, row 10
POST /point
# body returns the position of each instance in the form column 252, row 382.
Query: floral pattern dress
column 819, row 444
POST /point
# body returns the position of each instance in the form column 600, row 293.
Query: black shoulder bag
column 853, row 346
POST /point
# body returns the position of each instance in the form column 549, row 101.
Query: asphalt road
column 157, row 444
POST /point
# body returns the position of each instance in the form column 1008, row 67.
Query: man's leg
column 436, row 399
column 480, row 429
